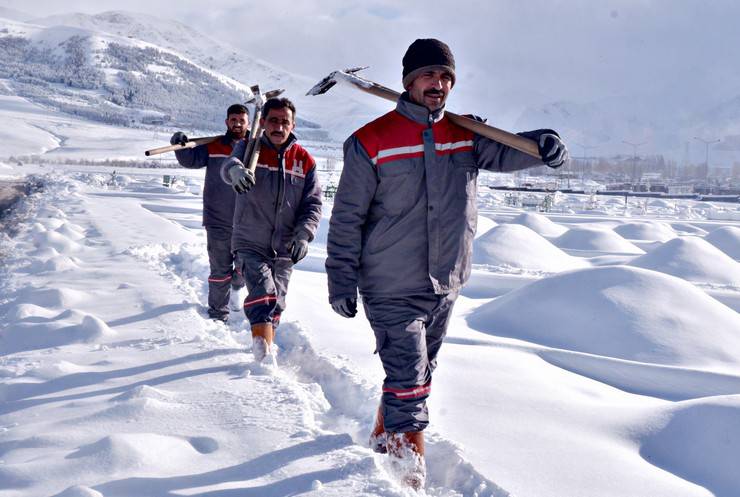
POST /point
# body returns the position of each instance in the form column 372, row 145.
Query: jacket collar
column 418, row 113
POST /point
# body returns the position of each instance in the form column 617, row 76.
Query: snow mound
column 514, row 245
column 621, row 312
column 51, row 223
column 71, row 231
column 144, row 392
column 28, row 311
column 55, row 370
column 45, row 253
column 64, row 329
column 645, row 230
column 598, row 240
column 485, row 224
column 59, row 263
column 141, row 452
column 693, row 259
column 130, row 410
column 700, row 443
column 53, row 297
column 726, row 239
column 57, row 241
column 539, row 224
column 79, row 491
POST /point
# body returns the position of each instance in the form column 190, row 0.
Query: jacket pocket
column 394, row 189
column 294, row 189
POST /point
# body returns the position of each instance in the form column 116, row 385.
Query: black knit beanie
column 425, row 54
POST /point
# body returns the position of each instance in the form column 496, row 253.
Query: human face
column 278, row 124
column 237, row 124
column 431, row 89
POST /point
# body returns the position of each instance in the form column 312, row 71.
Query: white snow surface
column 692, row 258
column 646, row 230
column 727, row 239
column 611, row 380
column 539, row 224
column 597, row 240
column 517, row 246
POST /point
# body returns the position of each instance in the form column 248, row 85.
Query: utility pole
column 583, row 163
column 706, row 159
column 634, row 160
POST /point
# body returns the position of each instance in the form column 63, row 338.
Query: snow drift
column 516, row 246
column 620, row 312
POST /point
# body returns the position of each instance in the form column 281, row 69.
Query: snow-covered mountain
column 340, row 113
column 131, row 69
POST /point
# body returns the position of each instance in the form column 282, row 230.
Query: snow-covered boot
column 378, row 438
column 407, row 458
column 236, row 299
column 262, row 335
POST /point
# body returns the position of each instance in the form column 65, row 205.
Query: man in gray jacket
column 277, row 214
column 401, row 233
column 218, row 207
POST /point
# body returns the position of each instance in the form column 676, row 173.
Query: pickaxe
column 194, row 142
column 504, row 137
column 252, row 150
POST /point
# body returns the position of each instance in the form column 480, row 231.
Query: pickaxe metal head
column 262, row 96
column 328, row 82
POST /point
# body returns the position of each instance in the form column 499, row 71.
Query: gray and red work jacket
column 405, row 211
column 218, row 199
column 285, row 199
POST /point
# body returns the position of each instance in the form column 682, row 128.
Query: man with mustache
column 218, row 209
column 277, row 213
column 401, row 233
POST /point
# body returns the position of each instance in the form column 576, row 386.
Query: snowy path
column 114, row 384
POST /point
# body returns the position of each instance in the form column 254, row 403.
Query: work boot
column 218, row 315
column 378, row 438
column 262, row 336
column 407, row 458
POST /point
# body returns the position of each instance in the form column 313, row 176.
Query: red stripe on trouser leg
column 260, row 300
column 219, row 280
column 409, row 393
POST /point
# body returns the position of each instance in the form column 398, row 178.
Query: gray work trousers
column 267, row 280
column 223, row 276
column 409, row 331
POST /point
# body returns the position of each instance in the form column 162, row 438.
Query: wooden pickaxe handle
column 512, row 140
column 188, row 144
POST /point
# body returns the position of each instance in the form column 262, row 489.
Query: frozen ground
column 609, row 366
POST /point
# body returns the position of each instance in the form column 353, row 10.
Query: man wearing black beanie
column 401, row 233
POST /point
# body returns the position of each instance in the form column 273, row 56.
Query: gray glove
column 242, row 179
column 553, row 151
column 179, row 138
column 299, row 246
column 345, row 307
